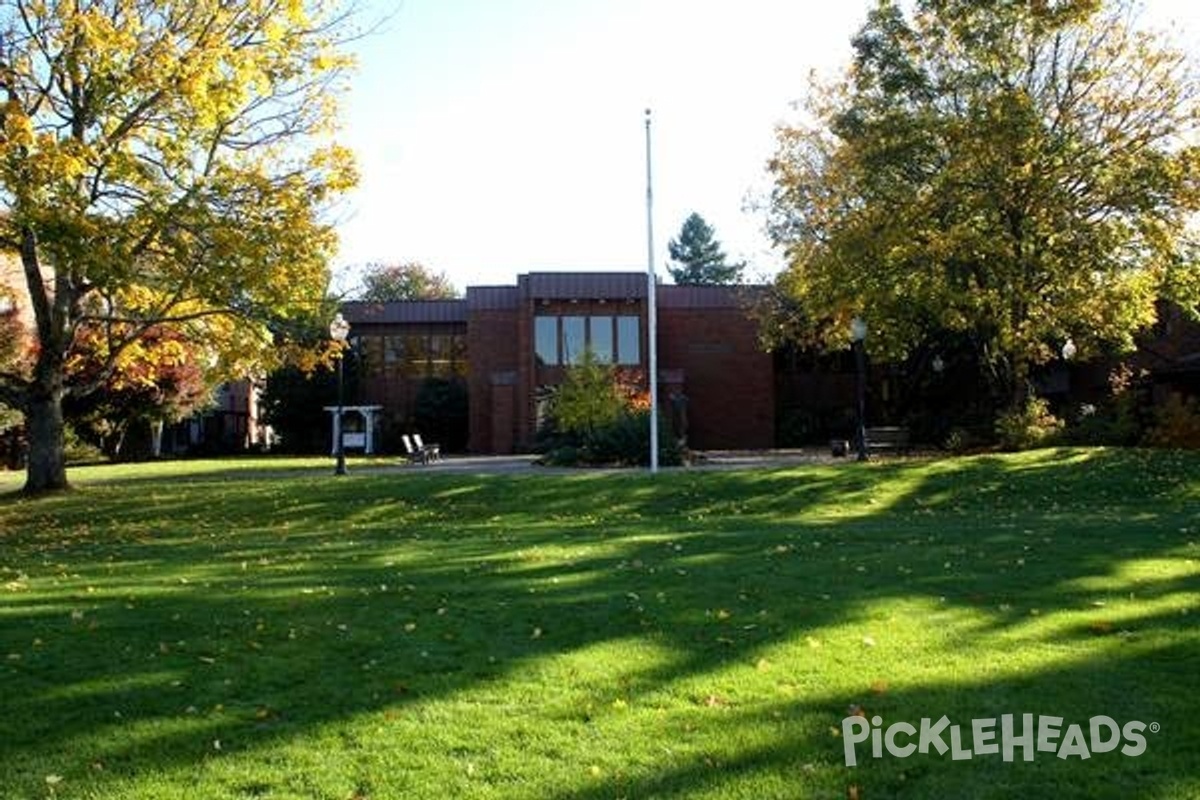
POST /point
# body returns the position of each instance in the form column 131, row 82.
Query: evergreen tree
column 698, row 255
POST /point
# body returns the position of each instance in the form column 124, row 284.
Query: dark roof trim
column 493, row 298
column 550, row 286
column 411, row 311
column 583, row 285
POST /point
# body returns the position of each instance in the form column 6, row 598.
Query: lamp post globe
column 858, row 329
column 339, row 329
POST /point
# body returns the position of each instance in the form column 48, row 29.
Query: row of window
column 563, row 340
column 558, row 340
column 416, row 355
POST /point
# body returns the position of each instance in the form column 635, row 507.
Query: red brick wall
column 728, row 379
column 492, row 347
column 532, row 376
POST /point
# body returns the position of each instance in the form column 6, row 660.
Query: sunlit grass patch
column 271, row 632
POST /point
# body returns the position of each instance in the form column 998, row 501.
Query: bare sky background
column 504, row 136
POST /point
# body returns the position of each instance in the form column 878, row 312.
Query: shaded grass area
column 236, row 631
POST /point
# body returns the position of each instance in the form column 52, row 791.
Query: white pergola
column 364, row 439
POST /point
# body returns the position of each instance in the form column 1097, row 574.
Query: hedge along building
column 508, row 346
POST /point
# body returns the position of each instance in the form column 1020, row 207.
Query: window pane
column 439, row 355
column 629, row 350
column 573, row 339
column 600, row 331
column 459, row 354
column 416, row 355
column 545, row 336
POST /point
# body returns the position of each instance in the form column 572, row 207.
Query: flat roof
column 583, row 285
column 549, row 286
column 406, row 311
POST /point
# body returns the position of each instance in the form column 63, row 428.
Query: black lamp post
column 339, row 329
column 858, row 333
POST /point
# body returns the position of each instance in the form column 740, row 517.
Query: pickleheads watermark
column 989, row 737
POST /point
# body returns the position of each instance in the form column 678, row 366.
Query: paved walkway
column 707, row 460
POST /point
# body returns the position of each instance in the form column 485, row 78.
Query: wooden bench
column 889, row 437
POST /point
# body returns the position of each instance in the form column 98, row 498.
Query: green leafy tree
column 1019, row 173
column 589, row 397
column 699, row 260
column 389, row 283
column 162, row 162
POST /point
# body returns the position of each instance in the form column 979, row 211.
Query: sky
column 498, row 137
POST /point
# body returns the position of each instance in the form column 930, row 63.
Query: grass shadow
column 698, row 634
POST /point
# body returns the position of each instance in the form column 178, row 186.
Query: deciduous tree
column 389, row 283
column 162, row 162
column 1020, row 172
column 160, row 378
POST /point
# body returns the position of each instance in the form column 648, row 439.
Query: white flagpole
column 652, row 307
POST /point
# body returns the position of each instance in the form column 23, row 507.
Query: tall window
column 629, row 342
column 563, row 340
column 545, row 336
column 600, row 338
column 574, row 339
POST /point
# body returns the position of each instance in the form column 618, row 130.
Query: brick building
column 509, row 344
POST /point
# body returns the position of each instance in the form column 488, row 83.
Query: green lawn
column 261, row 630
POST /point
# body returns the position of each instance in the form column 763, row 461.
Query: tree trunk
column 47, row 467
column 1022, row 389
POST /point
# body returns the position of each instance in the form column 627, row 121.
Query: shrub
column 589, row 398
column 1031, row 425
column 598, row 417
column 1177, row 424
column 626, row 442
column 1117, row 420
column 440, row 413
column 78, row 451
